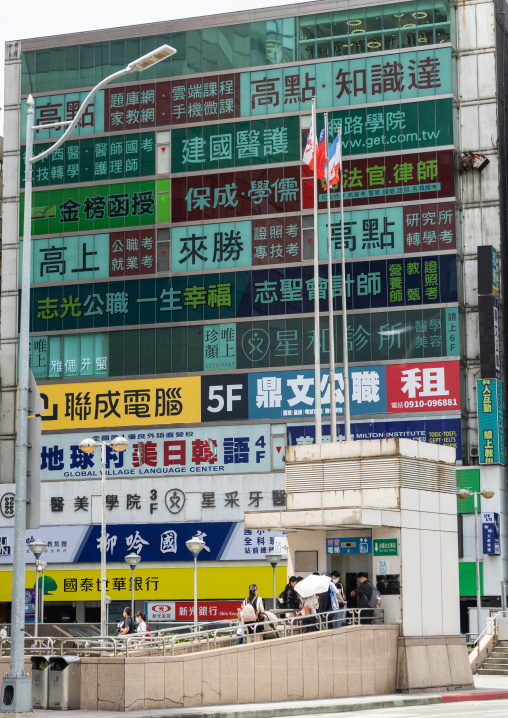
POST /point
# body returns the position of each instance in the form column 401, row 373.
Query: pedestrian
column 309, row 605
column 341, row 600
column 128, row 623
column 142, row 625
column 325, row 603
column 252, row 609
column 3, row 633
column 363, row 591
column 289, row 598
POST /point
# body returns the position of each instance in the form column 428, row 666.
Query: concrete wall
column 351, row 661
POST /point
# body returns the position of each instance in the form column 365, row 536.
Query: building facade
column 172, row 279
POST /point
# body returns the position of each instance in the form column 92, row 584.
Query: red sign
column 423, row 387
column 132, row 253
column 207, row 610
column 393, row 178
column 129, row 108
column 429, row 227
column 276, row 241
column 228, row 195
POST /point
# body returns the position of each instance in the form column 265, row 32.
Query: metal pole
column 103, row 541
column 195, row 593
column 274, row 596
column 42, row 597
column 17, row 663
column 345, row 358
column 478, row 588
column 36, row 613
column 331, row 327
column 133, row 566
column 317, row 344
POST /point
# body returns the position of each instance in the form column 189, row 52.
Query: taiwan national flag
column 334, row 162
column 308, row 153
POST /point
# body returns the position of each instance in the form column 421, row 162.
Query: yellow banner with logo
column 106, row 404
column 151, row 584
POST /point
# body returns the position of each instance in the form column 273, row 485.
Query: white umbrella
column 313, row 584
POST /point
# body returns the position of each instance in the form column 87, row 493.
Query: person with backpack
column 128, row 623
column 366, row 594
column 252, row 608
column 289, row 598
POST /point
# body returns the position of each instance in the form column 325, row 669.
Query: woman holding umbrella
column 308, row 590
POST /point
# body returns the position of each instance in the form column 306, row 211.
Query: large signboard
column 392, row 178
column 445, row 431
column 184, row 611
column 123, row 403
column 84, row 209
column 373, row 390
column 69, row 355
column 490, row 421
column 152, row 452
column 59, row 108
column 153, row 542
column 410, row 281
column 168, row 496
column 94, row 160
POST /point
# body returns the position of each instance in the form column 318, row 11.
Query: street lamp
column 43, row 566
column 108, row 603
column 195, row 546
column 16, row 688
column 88, row 446
column 486, row 494
column 37, row 547
column 274, row 559
column 132, row 559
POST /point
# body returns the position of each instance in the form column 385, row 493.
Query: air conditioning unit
column 473, row 452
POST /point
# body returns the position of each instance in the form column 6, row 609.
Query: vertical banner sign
column 491, row 534
column 490, row 421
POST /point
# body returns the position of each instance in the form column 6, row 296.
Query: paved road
column 485, row 709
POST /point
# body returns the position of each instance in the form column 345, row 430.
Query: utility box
column 64, row 682
column 40, row 682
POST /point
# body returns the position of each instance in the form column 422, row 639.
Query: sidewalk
column 486, row 688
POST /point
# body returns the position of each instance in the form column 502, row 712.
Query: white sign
column 160, row 610
column 383, row 567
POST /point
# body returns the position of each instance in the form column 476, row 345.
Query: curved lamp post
column 17, row 683
column 37, row 547
column 486, row 494
column 195, row 546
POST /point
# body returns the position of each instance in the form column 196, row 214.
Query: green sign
column 467, row 578
column 94, row 160
column 69, row 356
column 349, row 81
column 81, row 209
column 68, row 258
column 468, row 479
column 393, row 127
column 386, row 547
column 490, row 421
column 60, row 108
column 210, row 147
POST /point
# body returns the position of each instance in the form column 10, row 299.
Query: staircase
column 497, row 663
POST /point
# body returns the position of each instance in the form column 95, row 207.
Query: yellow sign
column 151, row 584
column 108, row 404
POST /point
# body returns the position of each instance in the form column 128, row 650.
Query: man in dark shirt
column 363, row 591
column 128, row 626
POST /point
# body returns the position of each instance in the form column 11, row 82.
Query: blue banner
column 491, row 534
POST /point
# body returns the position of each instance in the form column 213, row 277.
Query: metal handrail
column 491, row 627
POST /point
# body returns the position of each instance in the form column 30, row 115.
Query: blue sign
column 446, row 432
column 357, row 544
column 490, row 421
column 491, row 534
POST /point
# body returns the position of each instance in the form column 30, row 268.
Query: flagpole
column 317, row 348
column 345, row 359
column 331, row 328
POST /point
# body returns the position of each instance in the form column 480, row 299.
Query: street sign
column 386, row 547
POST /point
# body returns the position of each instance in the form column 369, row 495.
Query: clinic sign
column 490, row 421
column 357, row 544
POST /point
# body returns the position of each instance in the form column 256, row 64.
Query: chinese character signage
column 156, row 452
column 121, row 403
column 352, row 81
column 241, row 144
column 94, row 160
column 386, row 547
column 490, row 421
column 153, row 542
column 373, row 390
column 59, row 108
column 184, row 611
column 393, row 127
column 357, row 544
column 211, row 246
column 69, row 355
column 410, row 281
column 429, row 227
column 82, row 209
column 446, row 432
column 491, row 534
column 391, row 178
